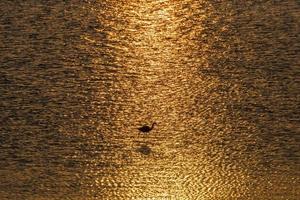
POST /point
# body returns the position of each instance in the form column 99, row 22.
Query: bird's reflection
column 144, row 149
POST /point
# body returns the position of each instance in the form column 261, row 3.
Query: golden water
column 220, row 79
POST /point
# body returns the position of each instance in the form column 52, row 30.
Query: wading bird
column 146, row 129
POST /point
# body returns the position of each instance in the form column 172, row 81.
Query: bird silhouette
column 146, row 129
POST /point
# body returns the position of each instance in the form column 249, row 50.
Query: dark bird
column 146, row 129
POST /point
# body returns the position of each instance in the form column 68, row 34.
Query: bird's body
column 146, row 129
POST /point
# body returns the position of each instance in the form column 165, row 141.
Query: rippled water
column 220, row 79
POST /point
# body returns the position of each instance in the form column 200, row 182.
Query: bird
column 146, row 129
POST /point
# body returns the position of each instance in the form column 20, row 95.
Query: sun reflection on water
column 150, row 47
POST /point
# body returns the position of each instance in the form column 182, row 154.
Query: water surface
column 220, row 79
